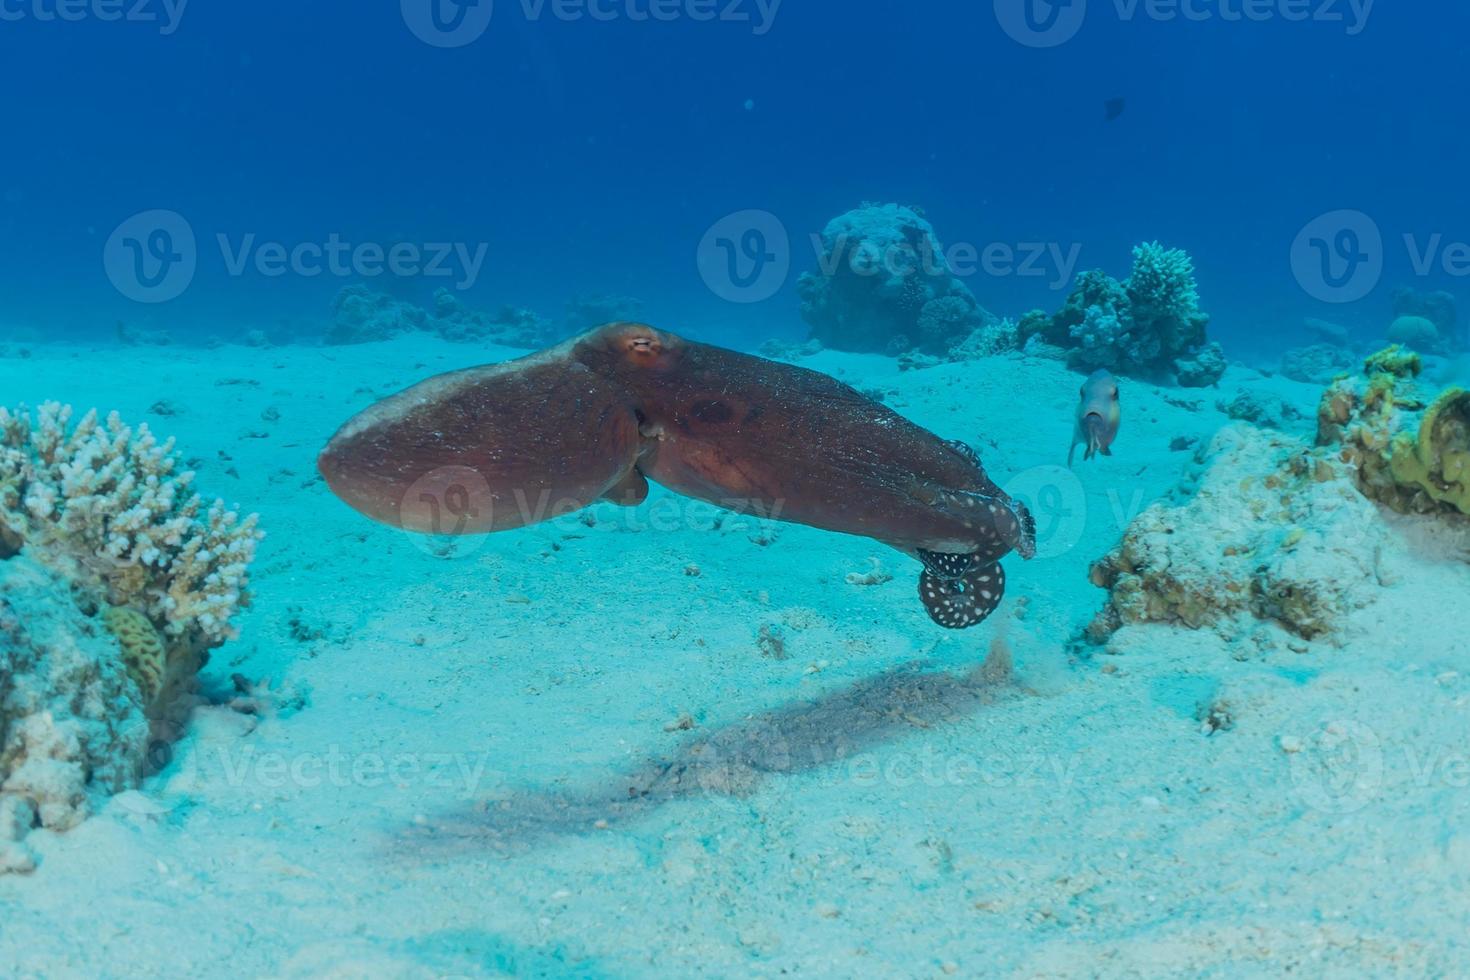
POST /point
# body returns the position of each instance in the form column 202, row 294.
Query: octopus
column 598, row 416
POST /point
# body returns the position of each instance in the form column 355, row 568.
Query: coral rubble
column 1317, row 363
column 1272, row 533
column 1149, row 326
column 117, row 581
column 885, row 286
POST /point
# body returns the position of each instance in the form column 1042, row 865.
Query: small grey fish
column 1098, row 416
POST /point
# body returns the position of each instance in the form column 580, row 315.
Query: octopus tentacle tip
column 1026, row 545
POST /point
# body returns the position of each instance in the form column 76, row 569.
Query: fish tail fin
column 965, row 600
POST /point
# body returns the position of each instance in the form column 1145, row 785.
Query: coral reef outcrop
column 1427, row 322
column 885, row 286
column 116, row 580
column 1149, row 326
column 361, row 316
column 1409, row 448
column 72, row 725
column 1272, row 533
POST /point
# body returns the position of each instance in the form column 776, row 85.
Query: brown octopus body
column 596, row 417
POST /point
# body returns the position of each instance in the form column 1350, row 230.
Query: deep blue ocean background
column 591, row 157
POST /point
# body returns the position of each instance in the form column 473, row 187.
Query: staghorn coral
column 1408, row 451
column 1272, row 533
column 1151, row 325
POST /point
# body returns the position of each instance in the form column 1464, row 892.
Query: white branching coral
column 107, row 503
column 116, row 580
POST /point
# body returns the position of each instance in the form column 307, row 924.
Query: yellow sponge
column 1438, row 460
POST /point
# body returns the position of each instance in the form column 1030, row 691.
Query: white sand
column 484, row 775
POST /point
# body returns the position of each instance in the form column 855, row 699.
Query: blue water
column 590, row 156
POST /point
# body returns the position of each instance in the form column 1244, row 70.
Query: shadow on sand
column 729, row 762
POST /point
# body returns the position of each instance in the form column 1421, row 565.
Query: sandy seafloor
column 471, row 765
